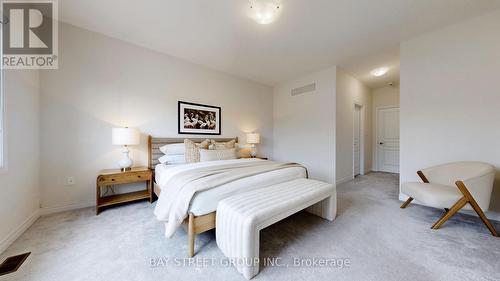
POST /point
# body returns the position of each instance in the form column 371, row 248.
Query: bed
column 201, row 214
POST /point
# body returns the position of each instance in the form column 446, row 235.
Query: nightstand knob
column 112, row 179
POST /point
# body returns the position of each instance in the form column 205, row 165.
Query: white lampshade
column 126, row 136
column 253, row 138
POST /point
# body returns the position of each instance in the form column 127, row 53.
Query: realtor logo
column 29, row 37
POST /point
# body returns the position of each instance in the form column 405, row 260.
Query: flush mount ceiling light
column 264, row 11
column 379, row 71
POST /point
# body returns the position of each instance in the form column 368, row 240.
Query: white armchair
column 454, row 186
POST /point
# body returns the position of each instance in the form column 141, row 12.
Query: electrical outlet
column 70, row 180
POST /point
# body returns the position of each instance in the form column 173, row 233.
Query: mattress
column 206, row 202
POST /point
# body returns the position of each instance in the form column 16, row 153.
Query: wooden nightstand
column 115, row 177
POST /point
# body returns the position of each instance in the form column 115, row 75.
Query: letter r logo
column 29, row 29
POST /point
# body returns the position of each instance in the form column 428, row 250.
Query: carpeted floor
column 373, row 237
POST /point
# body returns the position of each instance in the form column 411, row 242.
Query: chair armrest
column 480, row 188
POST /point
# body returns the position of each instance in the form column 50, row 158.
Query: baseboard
column 66, row 207
column 344, row 179
column 493, row 216
column 11, row 237
column 490, row 215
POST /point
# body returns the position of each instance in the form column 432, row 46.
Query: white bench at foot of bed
column 241, row 217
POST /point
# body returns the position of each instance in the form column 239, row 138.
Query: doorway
column 387, row 152
column 358, row 141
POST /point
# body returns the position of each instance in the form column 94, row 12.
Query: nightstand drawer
column 124, row 178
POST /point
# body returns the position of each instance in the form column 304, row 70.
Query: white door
column 388, row 140
column 357, row 140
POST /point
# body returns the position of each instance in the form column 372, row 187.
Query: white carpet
column 381, row 242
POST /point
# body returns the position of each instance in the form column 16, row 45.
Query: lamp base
column 126, row 163
column 253, row 150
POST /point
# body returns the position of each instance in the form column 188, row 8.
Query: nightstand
column 108, row 178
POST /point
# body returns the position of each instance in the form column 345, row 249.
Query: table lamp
column 126, row 137
column 253, row 139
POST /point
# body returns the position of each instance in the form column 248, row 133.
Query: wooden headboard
column 154, row 145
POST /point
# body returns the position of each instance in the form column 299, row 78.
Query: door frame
column 376, row 140
column 361, row 139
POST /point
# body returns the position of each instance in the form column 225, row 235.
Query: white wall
column 19, row 183
column 450, row 98
column 102, row 83
column 351, row 91
column 304, row 125
column 386, row 96
column 381, row 97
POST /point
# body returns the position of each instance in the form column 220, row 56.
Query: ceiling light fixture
column 379, row 71
column 264, row 11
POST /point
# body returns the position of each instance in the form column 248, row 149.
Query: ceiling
column 361, row 66
column 309, row 35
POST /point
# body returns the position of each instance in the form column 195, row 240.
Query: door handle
column 381, row 143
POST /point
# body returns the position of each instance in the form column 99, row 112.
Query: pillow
column 192, row 153
column 221, row 145
column 243, row 151
column 219, row 154
column 172, row 159
column 173, row 149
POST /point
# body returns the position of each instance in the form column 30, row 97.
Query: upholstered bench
column 241, row 217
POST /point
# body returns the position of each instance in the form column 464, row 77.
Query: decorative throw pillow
column 219, row 154
column 243, row 151
column 192, row 154
column 221, row 145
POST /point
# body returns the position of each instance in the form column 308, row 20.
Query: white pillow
column 172, row 159
column 220, row 154
column 173, row 149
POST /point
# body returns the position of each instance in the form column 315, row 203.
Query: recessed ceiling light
column 379, row 71
column 265, row 11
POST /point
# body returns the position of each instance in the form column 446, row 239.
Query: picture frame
column 198, row 119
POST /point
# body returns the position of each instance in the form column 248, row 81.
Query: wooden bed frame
column 194, row 225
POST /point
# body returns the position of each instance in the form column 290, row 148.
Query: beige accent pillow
column 192, row 153
column 219, row 154
column 221, row 145
column 243, row 152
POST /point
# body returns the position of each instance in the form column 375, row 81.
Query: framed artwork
column 199, row 119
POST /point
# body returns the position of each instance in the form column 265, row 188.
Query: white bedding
column 206, row 202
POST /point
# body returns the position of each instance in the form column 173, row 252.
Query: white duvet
column 206, row 201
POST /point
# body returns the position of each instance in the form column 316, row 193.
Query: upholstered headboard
column 154, row 145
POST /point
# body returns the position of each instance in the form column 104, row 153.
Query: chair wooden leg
column 446, row 211
column 485, row 220
column 405, row 204
column 453, row 210
column 191, row 236
column 424, row 179
column 476, row 207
